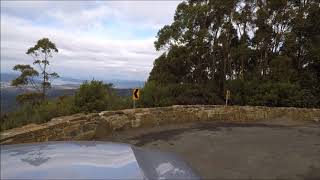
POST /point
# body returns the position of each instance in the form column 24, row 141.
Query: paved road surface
column 271, row 150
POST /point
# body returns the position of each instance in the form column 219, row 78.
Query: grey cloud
column 86, row 14
column 84, row 53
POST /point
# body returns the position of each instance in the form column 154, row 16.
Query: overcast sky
column 101, row 40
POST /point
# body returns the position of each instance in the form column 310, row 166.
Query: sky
column 97, row 39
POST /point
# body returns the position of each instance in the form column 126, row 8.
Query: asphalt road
column 276, row 149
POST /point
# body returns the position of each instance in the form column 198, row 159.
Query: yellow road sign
column 136, row 94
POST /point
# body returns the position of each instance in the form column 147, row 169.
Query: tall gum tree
column 39, row 80
column 252, row 47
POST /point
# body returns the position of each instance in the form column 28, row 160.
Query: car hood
column 89, row 160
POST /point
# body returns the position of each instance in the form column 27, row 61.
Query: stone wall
column 88, row 126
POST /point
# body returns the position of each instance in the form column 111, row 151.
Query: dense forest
column 264, row 52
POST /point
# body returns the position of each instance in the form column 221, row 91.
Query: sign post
column 227, row 97
column 135, row 96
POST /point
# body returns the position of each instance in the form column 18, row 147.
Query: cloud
column 104, row 40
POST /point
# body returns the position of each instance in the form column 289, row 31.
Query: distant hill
column 62, row 86
column 6, row 77
column 72, row 82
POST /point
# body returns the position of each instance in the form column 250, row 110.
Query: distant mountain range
column 60, row 87
column 67, row 82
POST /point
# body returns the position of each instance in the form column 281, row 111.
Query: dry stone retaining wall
column 88, row 126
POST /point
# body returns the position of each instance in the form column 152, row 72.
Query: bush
column 270, row 93
column 94, row 96
column 39, row 113
column 154, row 94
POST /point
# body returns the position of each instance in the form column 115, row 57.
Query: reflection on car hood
column 89, row 160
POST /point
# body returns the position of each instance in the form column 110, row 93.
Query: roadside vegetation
column 266, row 53
column 35, row 107
column 93, row 96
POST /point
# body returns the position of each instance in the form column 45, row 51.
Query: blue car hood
column 89, row 160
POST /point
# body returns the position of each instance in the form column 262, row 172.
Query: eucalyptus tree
column 259, row 49
column 39, row 78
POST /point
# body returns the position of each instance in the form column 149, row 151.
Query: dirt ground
column 278, row 149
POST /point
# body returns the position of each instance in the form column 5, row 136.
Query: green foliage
column 43, row 45
column 32, row 98
column 26, row 76
column 93, row 96
column 154, row 95
column 41, row 53
column 266, row 52
column 39, row 113
column 280, row 94
column 270, row 93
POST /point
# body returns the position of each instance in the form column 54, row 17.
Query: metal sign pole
column 134, row 104
column 227, row 97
